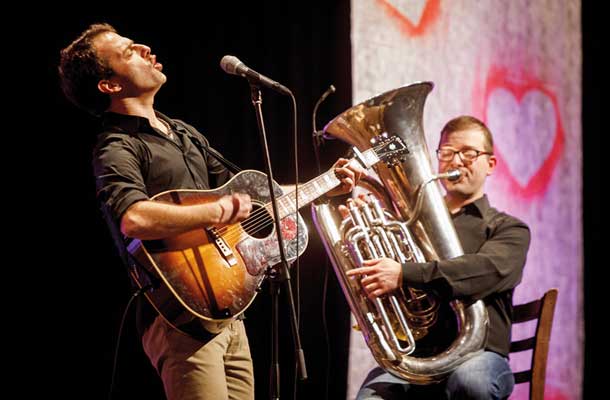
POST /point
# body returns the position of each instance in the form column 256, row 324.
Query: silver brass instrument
column 415, row 226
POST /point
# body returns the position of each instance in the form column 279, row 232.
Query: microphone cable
column 295, row 141
column 299, row 356
column 318, row 139
column 120, row 333
column 317, row 135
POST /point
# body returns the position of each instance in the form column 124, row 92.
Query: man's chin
column 458, row 188
column 453, row 185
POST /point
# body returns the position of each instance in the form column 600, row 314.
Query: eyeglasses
column 467, row 155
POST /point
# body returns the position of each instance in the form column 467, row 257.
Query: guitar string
column 248, row 222
column 262, row 213
column 251, row 226
column 263, row 217
column 260, row 222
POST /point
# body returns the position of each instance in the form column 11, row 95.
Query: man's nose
column 143, row 49
column 456, row 159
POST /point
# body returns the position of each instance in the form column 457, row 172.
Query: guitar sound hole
column 259, row 224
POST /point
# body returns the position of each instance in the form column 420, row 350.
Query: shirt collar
column 479, row 206
column 131, row 123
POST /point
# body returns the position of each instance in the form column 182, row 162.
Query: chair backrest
column 542, row 310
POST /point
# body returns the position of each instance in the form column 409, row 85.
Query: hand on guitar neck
column 349, row 173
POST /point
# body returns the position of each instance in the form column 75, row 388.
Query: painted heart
column 528, row 136
column 414, row 16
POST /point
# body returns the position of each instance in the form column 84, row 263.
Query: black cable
column 296, row 202
column 325, row 328
column 119, row 334
column 296, row 263
column 318, row 136
column 318, row 139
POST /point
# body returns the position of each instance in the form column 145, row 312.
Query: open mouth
column 155, row 64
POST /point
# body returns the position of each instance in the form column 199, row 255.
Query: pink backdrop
column 517, row 66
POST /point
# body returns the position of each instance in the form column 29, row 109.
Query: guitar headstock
column 389, row 149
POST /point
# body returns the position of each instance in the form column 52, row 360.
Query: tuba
column 405, row 219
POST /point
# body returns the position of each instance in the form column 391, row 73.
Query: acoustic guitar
column 215, row 272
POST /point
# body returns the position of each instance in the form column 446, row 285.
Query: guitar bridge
column 222, row 246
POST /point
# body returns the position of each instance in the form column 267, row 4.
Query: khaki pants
column 219, row 369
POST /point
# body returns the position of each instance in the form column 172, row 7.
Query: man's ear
column 492, row 161
column 109, row 87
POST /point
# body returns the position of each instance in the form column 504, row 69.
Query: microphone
column 232, row 65
column 331, row 89
column 319, row 135
column 452, row 175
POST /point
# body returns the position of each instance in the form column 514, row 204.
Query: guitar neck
column 308, row 192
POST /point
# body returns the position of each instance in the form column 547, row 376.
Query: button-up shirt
column 132, row 161
column 495, row 247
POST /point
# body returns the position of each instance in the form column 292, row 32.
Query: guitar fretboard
column 308, row 192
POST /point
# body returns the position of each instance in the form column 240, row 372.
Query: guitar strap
column 130, row 262
column 204, row 148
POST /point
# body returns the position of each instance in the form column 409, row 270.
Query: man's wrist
column 222, row 213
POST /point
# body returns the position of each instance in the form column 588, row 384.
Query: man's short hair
column 80, row 69
column 465, row 122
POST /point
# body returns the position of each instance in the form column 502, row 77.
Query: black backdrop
column 305, row 46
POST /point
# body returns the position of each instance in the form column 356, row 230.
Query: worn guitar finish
column 215, row 272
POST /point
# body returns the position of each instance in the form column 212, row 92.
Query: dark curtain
column 595, row 278
column 303, row 45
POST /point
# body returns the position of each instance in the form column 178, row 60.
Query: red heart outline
column 430, row 13
column 499, row 78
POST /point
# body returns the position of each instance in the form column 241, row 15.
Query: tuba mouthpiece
column 452, row 175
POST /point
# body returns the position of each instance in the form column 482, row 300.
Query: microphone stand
column 275, row 275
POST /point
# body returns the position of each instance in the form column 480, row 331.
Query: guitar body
column 215, row 272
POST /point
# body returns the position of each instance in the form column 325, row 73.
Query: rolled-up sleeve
column 117, row 169
column 496, row 267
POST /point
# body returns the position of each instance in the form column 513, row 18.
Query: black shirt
column 495, row 247
column 132, row 161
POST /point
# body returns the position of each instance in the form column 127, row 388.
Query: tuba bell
column 405, row 219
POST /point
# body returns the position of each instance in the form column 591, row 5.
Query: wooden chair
column 542, row 310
